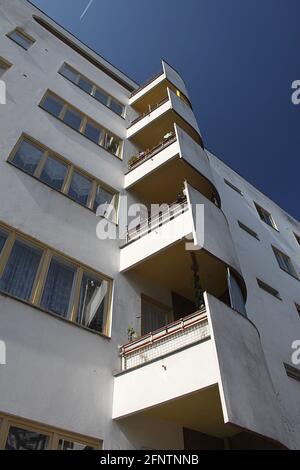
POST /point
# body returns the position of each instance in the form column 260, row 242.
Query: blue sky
column 238, row 59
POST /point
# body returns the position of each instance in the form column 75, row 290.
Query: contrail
column 86, row 9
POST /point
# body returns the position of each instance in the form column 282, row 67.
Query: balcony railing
column 154, row 77
column 151, row 109
column 147, row 154
column 177, row 335
column 159, row 219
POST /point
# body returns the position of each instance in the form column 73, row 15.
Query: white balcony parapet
column 166, row 340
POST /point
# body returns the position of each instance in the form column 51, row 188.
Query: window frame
column 248, row 230
column 25, row 35
column 71, row 168
column 232, row 186
column 297, row 308
column 85, row 118
column 94, row 89
column 39, row 283
column 260, row 210
column 269, row 289
column 5, row 65
column 297, row 238
column 54, row 434
column 287, row 261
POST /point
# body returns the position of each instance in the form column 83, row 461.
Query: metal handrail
column 147, row 82
column 155, row 150
column 151, row 109
column 157, row 220
column 157, row 335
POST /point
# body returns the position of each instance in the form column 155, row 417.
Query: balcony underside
column 171, row 268
column 164, row 183
column 200, row 411
column 155, row 130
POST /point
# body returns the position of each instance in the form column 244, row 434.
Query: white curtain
column 58, row 288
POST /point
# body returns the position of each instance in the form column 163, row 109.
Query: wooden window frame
column 54, row 434
column 95, row 88
column 23, row 33
column 84, row 120
column 5, row 64
column 71, row 168
column 291, row 272
column 48, row 254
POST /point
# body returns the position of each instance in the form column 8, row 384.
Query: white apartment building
column 180, row 335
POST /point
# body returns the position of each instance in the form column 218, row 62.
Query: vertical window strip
column 34, row 273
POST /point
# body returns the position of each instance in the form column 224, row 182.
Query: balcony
column 179, row 334
column 154, row 89
column 159, row 118
column 205, row 372
column 156, row 174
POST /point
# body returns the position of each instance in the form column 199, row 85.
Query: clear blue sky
column 238, row 59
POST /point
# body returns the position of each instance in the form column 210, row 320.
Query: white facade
column 231, row 386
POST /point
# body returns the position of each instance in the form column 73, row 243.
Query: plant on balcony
column 132, row 334
column 133, row 160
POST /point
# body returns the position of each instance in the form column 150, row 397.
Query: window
column 22, row 434
column 4, row 66
column 21, row 38
column 265, row 216
column 61, row 175
column 45, row 279
column 248, row 230
column 268, row 289
column 297, row 238
column 80, row 188
column 154, row 315
column 298, row 308
column 92, row 89
column 21, row 270
column 285, row 262
column 292, row 372
column 233, row 187
column 81, row 123
column 3, row 238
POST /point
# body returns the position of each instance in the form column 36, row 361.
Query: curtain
column 28, row 157
column 80, row 188
column 20, row 439
column 58, row 288
column 20, row 270
column 54, row 173
column 92, row 302
column 236, row 295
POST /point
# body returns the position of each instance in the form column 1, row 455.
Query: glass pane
column 3, row 238
column 116, row 107
column 3, row 68
column 73, row 118
column 58, row 288
column 21, row 439
column 20, row 39
column 54, row 173
column 153, row 316
column 69, row 73
column 20, row 271
column 28, row 157
column 85, row 85
column 80, row 188
column 112, row 143
column 92, row 132
column 102, row 97
column 53, row 105
column 91, row 309
column 69, row 445
column 103, row 197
